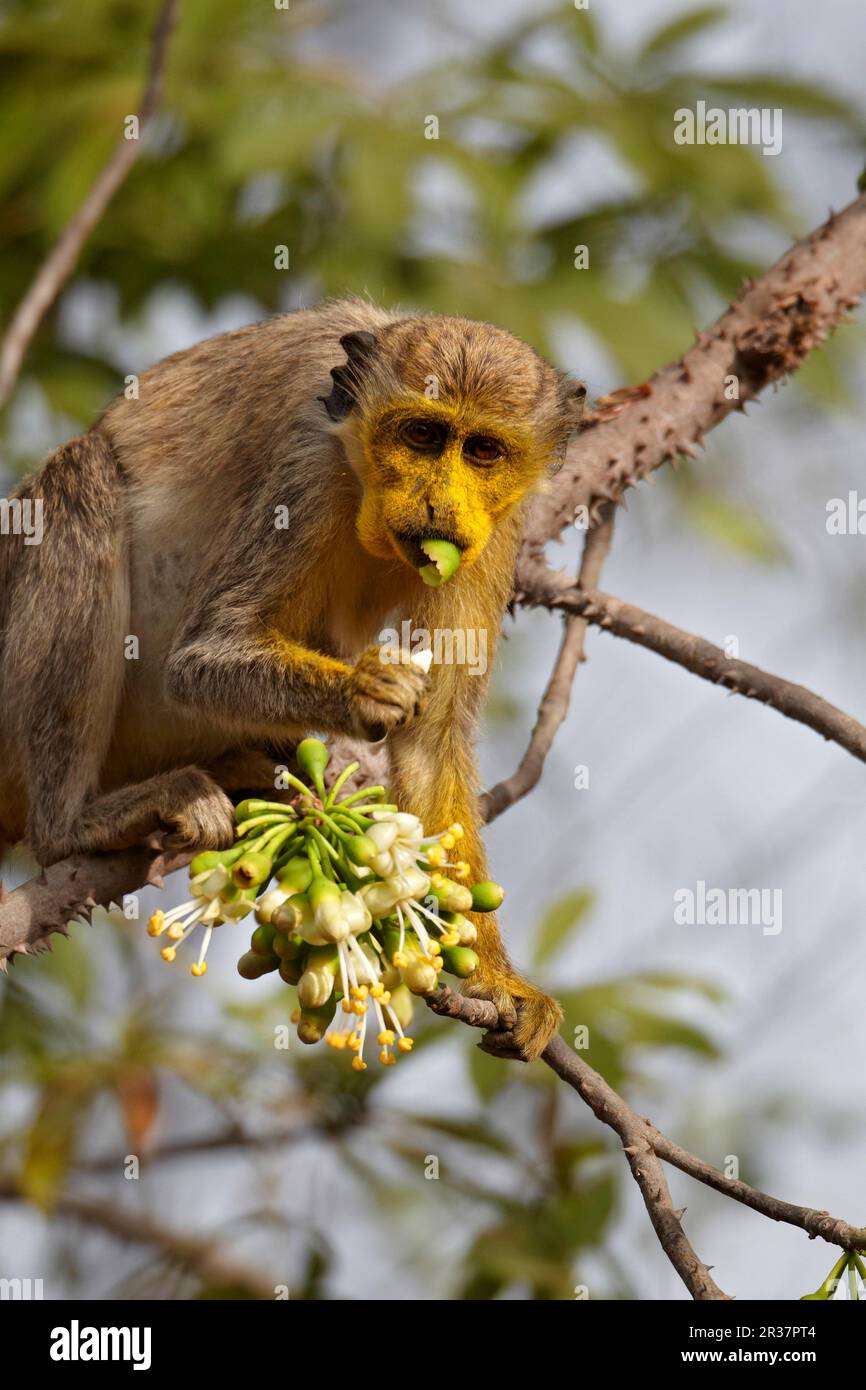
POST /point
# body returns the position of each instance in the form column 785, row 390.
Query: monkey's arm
column 231, row 661
column 434, row 775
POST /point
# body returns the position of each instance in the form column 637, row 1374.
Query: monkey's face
column 448, row 424
column 430, row 472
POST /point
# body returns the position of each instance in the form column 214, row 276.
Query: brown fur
column 160, row 522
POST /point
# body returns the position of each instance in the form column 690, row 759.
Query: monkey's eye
column 482, row 448
column 425, row 435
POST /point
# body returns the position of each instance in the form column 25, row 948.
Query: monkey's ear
column 572, row 396
column 359, row 348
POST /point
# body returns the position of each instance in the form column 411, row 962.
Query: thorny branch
column 766, row 334
column 644, row 1145
column 551, row 589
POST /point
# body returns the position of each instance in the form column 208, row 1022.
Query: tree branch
column 555, row 589
column 60, row 262
column 766, row 334
column 557, row 697
column 639, row 1136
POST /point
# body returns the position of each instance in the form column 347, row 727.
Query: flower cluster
column 351, row 903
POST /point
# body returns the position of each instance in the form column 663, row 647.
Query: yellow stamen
column 175, row 931
column 200, row 969
column 168, row 953
column 358, row 1064
column 386, row 1038
column 405, row 1044
column 156, row 925
column 462, row 870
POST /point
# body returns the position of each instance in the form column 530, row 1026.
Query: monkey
column 250, row 519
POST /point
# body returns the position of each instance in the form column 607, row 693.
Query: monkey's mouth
column 409, row 544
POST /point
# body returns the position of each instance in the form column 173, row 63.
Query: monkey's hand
column 384, row 694
column 528, row 1016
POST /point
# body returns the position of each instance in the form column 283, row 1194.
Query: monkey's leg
column 63, row 665
column 186, row 802
column 433, row 774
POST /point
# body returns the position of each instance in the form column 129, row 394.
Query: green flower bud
column 253, row 869
column 313, row 1023
column 203, row 862
column 251, row 966
column 313, row 757
column 262, row 940
column 360, row 849
column 487, row 896
column 296, row 875
column 460, row 961
column 291, row 970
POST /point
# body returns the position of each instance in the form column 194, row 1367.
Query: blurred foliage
column 111, row 1064
column 264, row 139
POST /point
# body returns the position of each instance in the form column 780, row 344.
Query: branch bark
column 61, row 260
column 766, row 334
column 557, row 696
column 640, row 1137
column 555, row 589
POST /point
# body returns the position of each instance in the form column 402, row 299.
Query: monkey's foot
column 198, row 814
column 528, row 1018
column 384, row 695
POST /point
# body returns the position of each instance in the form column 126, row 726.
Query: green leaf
column 677, row 31
column 560, row 920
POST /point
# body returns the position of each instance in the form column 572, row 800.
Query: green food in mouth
column 446, row 561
